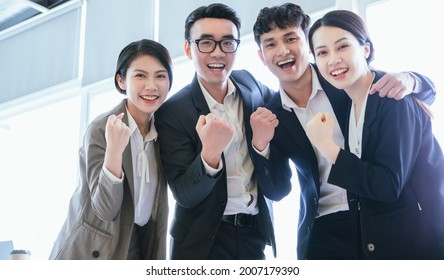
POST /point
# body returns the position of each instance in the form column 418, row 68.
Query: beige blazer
column 101, row 214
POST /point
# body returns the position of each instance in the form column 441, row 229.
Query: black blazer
column 398, row 183
column 291, row 143
column 201, row 199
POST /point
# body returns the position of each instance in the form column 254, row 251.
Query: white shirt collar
column 288, row 104
column 212, row 103
column 152, row 133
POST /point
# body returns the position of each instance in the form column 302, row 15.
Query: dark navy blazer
column 201, row 199
column 291, row 143
column 398, row 183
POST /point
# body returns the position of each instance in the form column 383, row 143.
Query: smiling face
column 146, row 85
column 285, row 52
column 340, row 57
column 213, row 69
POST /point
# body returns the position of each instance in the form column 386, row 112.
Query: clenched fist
column 215, row 134
column 263, row 123
column 320, row 132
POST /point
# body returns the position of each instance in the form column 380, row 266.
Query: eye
column 343, row 46
column 292, row 39
column 269, row 45
column 321, row 53
column 161, row 76
column 206, row 42
column 139, row 75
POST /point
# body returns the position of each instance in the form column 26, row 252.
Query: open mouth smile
column 286, row 63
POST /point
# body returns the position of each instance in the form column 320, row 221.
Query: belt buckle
column 236, row 220
column 240, row 220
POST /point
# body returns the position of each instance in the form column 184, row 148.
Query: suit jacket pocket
column 87, row 242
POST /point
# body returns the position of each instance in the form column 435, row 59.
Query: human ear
column 187, row 49
column 261, row 56
column 121, row 82
column 367, row 50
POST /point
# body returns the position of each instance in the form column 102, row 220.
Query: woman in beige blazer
column 120, row 208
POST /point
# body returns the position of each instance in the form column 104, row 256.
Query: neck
column 142, row 120
column 359, row 90
column 217, row 91
column 300, row 90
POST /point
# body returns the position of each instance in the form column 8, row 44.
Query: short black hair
column 138, row 48
column 283, row 16
column 216, row 10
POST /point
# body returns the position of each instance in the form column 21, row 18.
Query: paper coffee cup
column 20, row 255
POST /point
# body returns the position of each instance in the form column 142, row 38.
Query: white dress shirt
column 355, row 129
column 241, row 185
column 144, row 170
column 332, row 198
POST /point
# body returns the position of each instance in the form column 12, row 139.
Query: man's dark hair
column 216, row 10
column 283, row 16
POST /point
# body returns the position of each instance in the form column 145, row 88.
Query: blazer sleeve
column 180, row 153
column 106, row 196
column 391, row 143
column 428, row 90
column 273, row 174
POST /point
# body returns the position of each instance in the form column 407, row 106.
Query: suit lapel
column 160, row 183
column 198, row 98
column 300, row 146
column 371, row 112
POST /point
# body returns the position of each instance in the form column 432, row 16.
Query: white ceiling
column 13, row 12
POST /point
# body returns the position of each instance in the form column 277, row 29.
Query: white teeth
column 150, row 98
column 286, row 61
column 340, row 71
column 216, row 65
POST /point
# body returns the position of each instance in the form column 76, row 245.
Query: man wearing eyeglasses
column 205, row 139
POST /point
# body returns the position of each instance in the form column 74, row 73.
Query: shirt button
column 370, row 247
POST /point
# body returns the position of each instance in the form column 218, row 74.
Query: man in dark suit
column 205, row 139
column 325, row 227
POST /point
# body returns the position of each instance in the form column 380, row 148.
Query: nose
column 283, row 50
column 334, row 58
column 150, row 85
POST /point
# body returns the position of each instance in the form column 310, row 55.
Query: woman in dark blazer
column 120, row 207
column 392, row 166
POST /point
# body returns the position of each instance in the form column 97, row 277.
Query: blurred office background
column 57, row 59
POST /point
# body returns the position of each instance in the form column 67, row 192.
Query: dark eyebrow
column 206, row 36
column 139, row 70
column 337, row 41
column 291, row 33
column 341, row 39
column 156, row 72
column 161, row 71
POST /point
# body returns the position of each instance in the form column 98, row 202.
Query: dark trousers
column 141, row 246
column 333, row 237
column 238, row 242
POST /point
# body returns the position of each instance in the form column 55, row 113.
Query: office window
column 410, row 43
column 38, row 164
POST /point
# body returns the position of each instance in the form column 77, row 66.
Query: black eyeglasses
column 209, row 45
